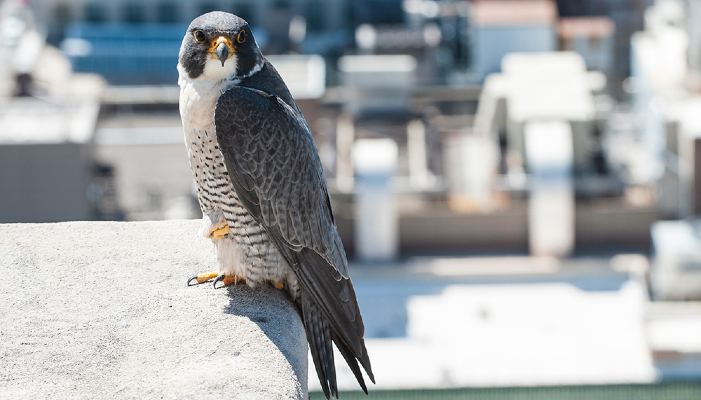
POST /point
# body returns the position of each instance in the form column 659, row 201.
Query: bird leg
column 227, row 279
column 218, row 231
column 277, row 284
column 218, row 277
column 203, row 277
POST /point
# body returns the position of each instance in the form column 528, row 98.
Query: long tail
column 319, row 338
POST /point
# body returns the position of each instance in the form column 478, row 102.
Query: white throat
column 198, row 97
column 214, row 71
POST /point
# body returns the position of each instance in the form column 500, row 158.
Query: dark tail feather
column 319, row 338
column 353, row 364
column 365, row 362
column 332, row 367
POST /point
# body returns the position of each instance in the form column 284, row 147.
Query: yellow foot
column 277, row 284
column 203, row 277
column 207, row 276
column 218, row 231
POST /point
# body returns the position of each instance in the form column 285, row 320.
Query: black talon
column 193, row 277
column 219, row 278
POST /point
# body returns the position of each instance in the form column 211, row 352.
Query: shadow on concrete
column 272, row 316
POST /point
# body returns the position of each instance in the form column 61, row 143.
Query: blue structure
column 126, row 54
column 491, row 43
column 499, row 27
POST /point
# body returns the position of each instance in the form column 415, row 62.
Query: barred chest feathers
column 198, row 99
column 246, row 251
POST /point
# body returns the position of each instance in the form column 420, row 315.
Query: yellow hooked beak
column 221, row 48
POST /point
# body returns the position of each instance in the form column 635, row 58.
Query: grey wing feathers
column 275, row 158
column 275, row 169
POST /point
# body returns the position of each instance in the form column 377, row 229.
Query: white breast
column 198, row 98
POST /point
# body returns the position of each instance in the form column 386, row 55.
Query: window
column 167, row 12
column 378, row 12
column 243, row 10
column 207, row 7
column 313, row 13
column 95, row 12
column 133, row 13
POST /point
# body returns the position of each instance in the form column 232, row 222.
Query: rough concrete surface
column 100, row 310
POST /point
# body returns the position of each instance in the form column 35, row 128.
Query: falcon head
column 218, row 46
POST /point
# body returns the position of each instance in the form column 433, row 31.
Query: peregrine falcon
column 262, row 189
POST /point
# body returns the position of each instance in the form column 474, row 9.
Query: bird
column 262, row 190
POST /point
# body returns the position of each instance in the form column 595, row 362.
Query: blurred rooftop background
column 516, row 182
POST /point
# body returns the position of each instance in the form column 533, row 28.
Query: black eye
column 199, row 36
column 241, row 37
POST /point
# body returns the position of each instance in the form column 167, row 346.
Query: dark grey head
column 217, row 46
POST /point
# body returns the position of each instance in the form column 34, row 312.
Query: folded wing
column 276, row 172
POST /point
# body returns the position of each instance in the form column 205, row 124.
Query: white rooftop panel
column 554, row 85
column 304, row 75
column 28, row 120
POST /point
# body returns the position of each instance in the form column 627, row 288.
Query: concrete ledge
column 100, row 310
